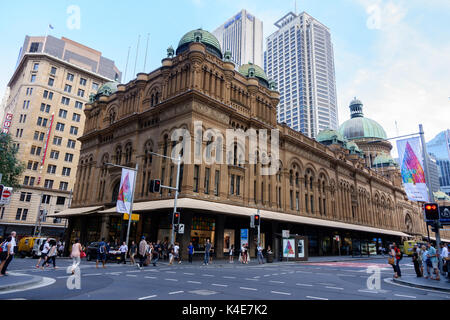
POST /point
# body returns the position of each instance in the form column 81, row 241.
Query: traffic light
column 157, row 186
column 177, row 218
column 431, row 211
column 257, row 220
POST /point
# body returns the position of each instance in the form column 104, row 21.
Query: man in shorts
column 101, row 253
column 432, row 256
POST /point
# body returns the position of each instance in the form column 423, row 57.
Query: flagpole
column 45, row 39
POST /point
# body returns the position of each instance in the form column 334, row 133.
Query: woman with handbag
column 52, row 254
column 76, row 253
column 391, row 260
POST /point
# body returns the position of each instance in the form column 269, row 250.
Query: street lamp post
column 136, row 170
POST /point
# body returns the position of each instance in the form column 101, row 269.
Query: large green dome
column 202, row 36
column 359, row 127
column 259, row 72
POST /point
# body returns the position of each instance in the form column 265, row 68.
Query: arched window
column 115, row 193
column 119, row 155
column 166, row 144
column 128, row 152
column 297, row 180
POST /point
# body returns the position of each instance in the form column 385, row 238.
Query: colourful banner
column 125, row 197
column 412, row 169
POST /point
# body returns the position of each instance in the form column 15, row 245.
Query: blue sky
column 394, row 55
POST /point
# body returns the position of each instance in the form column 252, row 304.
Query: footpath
column 15, row 281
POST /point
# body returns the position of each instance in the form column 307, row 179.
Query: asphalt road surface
column 220, row 281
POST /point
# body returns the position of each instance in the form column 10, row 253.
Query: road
column 221, row 281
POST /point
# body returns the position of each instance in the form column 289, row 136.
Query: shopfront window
column 203, row 228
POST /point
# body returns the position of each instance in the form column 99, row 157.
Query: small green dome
column 259, row 72
column 383, row 160
column 108, row 89
column 205, row 37
column 353, row 147
column 359, row 127
column 328, row 137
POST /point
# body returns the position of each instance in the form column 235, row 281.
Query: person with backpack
column 44, row 248
column 101, row 253
column 142, row 251
column 5, row 255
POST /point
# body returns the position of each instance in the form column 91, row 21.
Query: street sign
column 286, row 234
column 181, row 228
column 444, row 213
column 134, row 217
column 337, row 238
column 5, row 196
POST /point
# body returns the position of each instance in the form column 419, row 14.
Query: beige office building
column 44, row 114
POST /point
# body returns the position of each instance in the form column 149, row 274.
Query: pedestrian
column 416, row 261
column 155, row 254
column 123, row 253
column 176, row 252
column 444, row 257
column 231, row 253
column 207, row 252
column 190, row 250
column 432, row 256
column 142, row 252
column 426, row 264
column 171, row 255
column 165, row 250
column 44, row 251
column 211, row 253
column 5, row 255
column 53, row 252
column 75, row 255
column 260, row 254
column 392, row 262
column 242, row 254
column 398, row 258
column 132, row 252
column 101, row 253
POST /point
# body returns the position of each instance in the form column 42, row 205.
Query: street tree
column 10, row 167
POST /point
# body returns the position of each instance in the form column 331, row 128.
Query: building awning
column 75, row 212
column 434, row 239
column 187, row 203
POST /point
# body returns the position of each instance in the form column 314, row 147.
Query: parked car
column 36, row 252
column 25, row 248
column 92, row 250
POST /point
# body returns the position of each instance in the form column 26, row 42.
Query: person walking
column 425, row 262
column 53, row 252
column 5, row 255
column 123, row 253
column 44, row 252
column 398, row 258
column 132, row 252
column 392, row 255
column 231, row 254
column 432, row 256
column 155, row 254
column 443, row 256
column 75, row 255
column 260, row 254
column 415, row 259
column 207, row 252
column 142, row 252
column 190, row 250
column 176, row 252
column 101, row 253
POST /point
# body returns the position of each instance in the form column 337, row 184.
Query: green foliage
column 10, row 166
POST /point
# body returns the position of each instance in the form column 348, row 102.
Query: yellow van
column 26, row 246
column 408, row 247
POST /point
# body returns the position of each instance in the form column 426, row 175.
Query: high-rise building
column 45, row 109
column 439, row 148
column 433, row 170
column 300, row 59
column 242, row 35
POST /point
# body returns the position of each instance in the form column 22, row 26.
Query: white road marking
column 257, row 277
column 151, row 277
column 189, row 274
column 316, row 298
column 171, row 279
column 304, row 285
column 277, row 292
column 326, row 284
column 131, row 275
column 170, row 272
column 283, row 273
column 92, row 274
column 274, row 274
column 249, row 279
column 404, row 296
column 44, row 283
column 245, row 288
column 176, row 292
column 220, row 285
column 134, row 271
column 208, row 275
column 304, row 272
column 149, row 297
column 267, row 275
column 195, row 282
column 273, row 281
column 336, row 288
column 63, row 277
column 228, row 277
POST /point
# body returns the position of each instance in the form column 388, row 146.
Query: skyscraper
column 243, row 36
column 44, row 114
column 300, row 59
column 439, row 147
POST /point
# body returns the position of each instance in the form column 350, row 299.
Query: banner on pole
column 126, row 191
column 412, row 169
